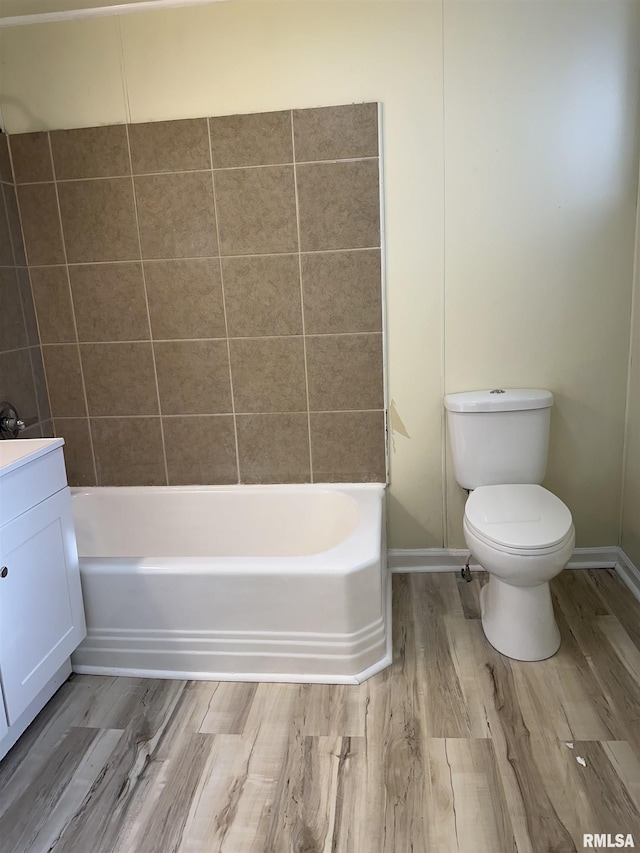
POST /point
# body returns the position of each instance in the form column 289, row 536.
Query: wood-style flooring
column 453, row 748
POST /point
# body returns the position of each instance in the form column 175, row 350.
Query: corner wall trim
column 450, row 559
column 628, row 573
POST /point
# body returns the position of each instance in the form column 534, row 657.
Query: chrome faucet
column 10, row 423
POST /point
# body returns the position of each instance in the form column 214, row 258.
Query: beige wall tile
column 262, row 295
column 34, row 431
column 13, row 334
column 78, row 453
column 41, row 224
column 185, row 298
column 347, row 447
column 339, row 205
column 200, row 450
column 342, row 292
column 16, row 383
column 64, row 380
column 344, row 372
column 90, row 152
column 54, row 310
column 15, row 227
column 109, row 302
column 257, row 139
column 119, row 378
column 6, row 174
column 28, row 306
column 40, row 383
column 273, row 448
column 128, row 451
column 193, row 377
column 176, row 215
column 336, row 133
column 169, row 146
column 256, row 210
column 268, row 374
column 31, row 157
column 6, row 250
column 99, row 222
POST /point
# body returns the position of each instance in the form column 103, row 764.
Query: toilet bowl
column 523, row 536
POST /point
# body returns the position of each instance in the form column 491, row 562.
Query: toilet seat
column 519, row 518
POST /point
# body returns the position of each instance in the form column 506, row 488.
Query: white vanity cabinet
column 41, row 610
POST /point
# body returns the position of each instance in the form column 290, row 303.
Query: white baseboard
column 450, row 559
column 402, row 560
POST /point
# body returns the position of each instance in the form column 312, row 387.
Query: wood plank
column 469, row 594
column 627, row 767
column 616, row 683
column 63, row 808
column 619, row 601
column 304, row 808
column 612, row 808
column 182, row 770
column 463, row 658
column 332, row 709
column 467, row 805
column 536, row 823
column 26, row 818
column 444, row 712
column 269, row 726
column 212, row 823
column 228, row 707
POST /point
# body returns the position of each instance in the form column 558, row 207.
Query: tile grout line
column 223, row 414
column 146, row 301
column 233, row 338
column 215, row 257
column 73, row 314
column 304, row 333
column 202, row 171
column 224, row 307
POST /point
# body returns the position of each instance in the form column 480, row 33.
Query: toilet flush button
column 497, row 391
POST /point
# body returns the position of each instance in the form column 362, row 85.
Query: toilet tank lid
column 499, row 400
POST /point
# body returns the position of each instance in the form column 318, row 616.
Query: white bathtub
column 260, row 583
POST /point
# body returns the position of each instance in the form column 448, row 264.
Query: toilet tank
column 499, row 436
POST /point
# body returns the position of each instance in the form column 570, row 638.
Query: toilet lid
column 520, row 515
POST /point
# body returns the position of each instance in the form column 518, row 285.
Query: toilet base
column 519, row 621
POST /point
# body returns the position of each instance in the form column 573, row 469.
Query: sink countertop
column 20, row 451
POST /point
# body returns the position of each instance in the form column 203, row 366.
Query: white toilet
column 518, row 531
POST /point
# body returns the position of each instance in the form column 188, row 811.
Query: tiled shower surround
column 21, row 371
column 208, row 296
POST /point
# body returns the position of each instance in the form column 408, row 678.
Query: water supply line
column 466, row 572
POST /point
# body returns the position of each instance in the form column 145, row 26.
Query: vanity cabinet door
column 41, row 610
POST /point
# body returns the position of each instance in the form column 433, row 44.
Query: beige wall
column 630, row 536
column 510, row 159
